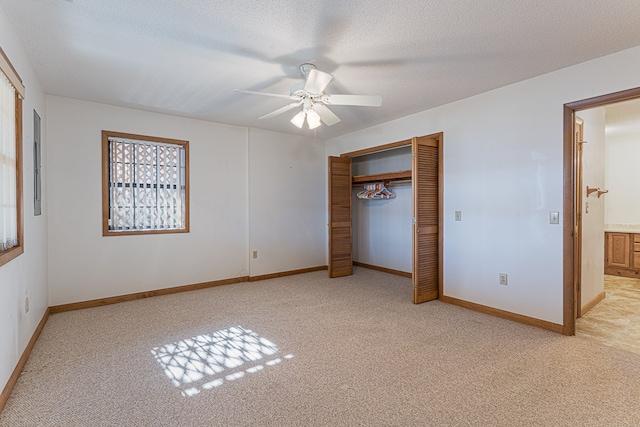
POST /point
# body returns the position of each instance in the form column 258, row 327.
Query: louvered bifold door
column 426, row 203
column 340, row 250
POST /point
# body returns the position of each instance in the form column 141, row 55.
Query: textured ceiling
column 185, row 57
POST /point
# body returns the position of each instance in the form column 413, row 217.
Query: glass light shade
column 313, row 119
column 298, row 119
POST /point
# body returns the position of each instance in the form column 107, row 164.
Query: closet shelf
column 387, row 176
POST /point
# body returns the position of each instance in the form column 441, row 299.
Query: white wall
column 593, row 173
column 503, row 168
column 84, row 265
column 622, row 206
column 382, row 228
column 287, row 203
column 27, row 274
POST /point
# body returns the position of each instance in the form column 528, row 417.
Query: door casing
column 572, row 233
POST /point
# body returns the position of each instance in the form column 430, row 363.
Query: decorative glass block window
column 145, row 182
column 11, row 227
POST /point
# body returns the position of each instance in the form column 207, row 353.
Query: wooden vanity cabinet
column 636, row 252
column 622, row 254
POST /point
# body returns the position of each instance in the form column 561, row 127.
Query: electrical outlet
column 26, row 304
column 255, row 254
column 458, row 215
column 503, row 278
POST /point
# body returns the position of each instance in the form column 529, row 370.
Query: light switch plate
column 554, row 217
column 458, row 215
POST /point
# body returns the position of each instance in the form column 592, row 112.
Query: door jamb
column 578, row 138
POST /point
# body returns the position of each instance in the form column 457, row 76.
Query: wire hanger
column 376, row 191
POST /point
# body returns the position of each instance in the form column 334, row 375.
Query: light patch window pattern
column 147, row 184
column 206, row 361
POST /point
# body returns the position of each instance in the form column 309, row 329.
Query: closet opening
column 385, row 212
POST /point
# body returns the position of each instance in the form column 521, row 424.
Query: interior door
column 426, row 226
column 340, row 232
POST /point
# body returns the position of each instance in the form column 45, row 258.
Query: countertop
column 622, row 228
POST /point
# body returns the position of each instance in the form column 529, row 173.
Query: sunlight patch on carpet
column 206, row 361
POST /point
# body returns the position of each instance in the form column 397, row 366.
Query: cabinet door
column 635, row 255
column 340, row 245
column 426, row 227
column 618, row 250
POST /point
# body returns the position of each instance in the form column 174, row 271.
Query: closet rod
column 399, row 182
column 386, row 183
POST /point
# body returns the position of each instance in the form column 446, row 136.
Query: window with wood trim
column 11, row 93
column 145, row 184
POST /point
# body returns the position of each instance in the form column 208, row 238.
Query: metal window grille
column 146, row 185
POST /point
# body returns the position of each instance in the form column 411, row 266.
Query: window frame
column 7, row 68
column 105, row 183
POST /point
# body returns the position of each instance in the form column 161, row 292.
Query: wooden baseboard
column 139, row 295
column 504, row 314
column 383, row 269
column 588, row 306
column 185, row 288
column 4, row 396
column 287, row 273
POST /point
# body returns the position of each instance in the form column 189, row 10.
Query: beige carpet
column 308, row 351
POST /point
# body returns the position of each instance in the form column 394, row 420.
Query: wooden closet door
column 426, row 202
column 340, row 249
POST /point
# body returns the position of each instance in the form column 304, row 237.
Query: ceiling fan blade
column 357, row 100
column 317, row 82
column 281, row 110
column 325, row 114
column 277, row 95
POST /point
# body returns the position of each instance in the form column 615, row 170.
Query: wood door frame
column 571, row 233
column 439, row 136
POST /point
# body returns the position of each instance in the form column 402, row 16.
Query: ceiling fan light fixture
column 298, row 119
column 313, row 119
column 313, row 125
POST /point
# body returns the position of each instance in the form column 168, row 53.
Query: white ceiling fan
column 311, row 96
